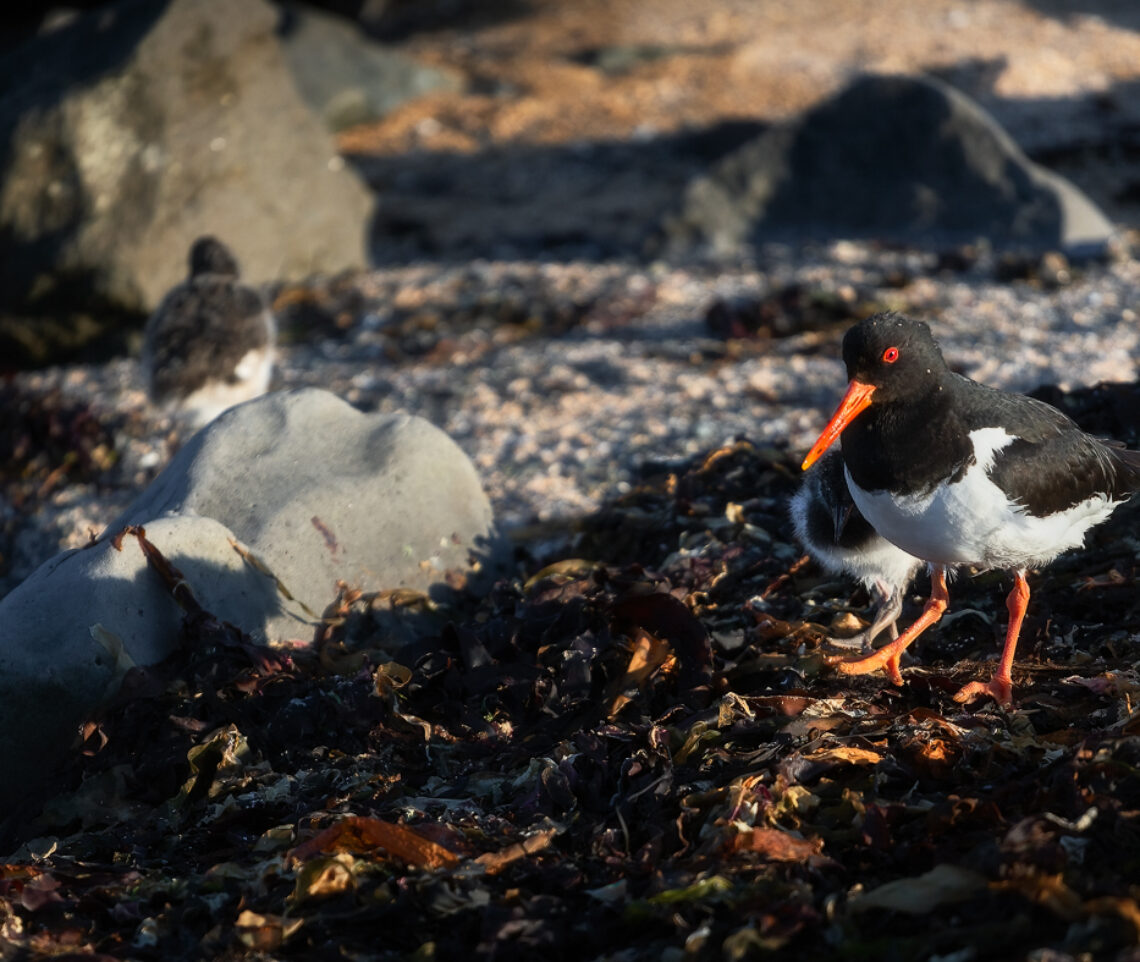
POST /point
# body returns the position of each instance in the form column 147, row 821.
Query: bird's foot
column 999, row 689
column 864, row 643
column 886, row 658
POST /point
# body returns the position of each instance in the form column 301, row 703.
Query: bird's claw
column 999, row 689
column 884, row 658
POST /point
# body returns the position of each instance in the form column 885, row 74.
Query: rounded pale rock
column 320, row 492
column 314, row 490
column 70, row 632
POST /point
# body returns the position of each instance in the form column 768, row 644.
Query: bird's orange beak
column 856, row 400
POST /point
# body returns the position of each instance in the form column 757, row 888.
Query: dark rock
column 497, row 202
column 958, row 259
column 624, row 58
column 894, row 158
column 398, row 19
column 1049, row 270
column 94, row 335
column 345, row 76
column 137, row 127
column 786, row 311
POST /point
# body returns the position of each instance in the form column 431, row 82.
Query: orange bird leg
column 888, row 656
column 1000, row 687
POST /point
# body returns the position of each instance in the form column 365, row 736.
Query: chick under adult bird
column 835, row 533
column 957, row 473
column 210, row 342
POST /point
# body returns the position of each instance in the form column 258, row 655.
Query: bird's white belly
column 253, row 373
column 973, row 522
column 878, row 561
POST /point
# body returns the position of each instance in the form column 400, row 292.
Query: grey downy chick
column 210, row 343
column 842, row 541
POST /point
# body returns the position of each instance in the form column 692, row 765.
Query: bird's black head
column 208, row 255
column 895, row 355
column 891, row 360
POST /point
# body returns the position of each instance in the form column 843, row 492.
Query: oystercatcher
column 210, row 343
column 956, row 473
column 838, row 537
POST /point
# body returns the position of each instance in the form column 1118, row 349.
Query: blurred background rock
column 521, row 129
column 545, row 225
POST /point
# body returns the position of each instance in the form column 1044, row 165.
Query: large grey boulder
column 140, row 126
column 323, row 493
column 898, row 158
column 292, row 491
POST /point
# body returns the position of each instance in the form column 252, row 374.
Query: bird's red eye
column 891, row 354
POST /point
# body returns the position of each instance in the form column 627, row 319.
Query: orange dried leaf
column 16, row 871
column 1125, row 908
column 568, row 569
column 358, row 833
column 726, row 451
column 772, row 629
column 649, row 653
column 666, row 618
column 847, row 753
column 265, row 932
column 495, row 862
column 322, row 877
column 776, row 845
column 933, row 756
column 788, row 705
column 390, row 677
column 1049, row 891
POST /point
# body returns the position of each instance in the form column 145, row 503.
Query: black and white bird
column 210, row 343
column 835, row 533
column 956, row 473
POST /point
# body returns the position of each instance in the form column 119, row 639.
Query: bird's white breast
column 972, row 521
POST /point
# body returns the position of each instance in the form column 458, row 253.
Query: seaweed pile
column 636, row 753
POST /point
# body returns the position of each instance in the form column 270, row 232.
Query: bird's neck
column 907, row 446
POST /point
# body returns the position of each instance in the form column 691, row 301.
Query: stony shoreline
column 564, row 381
